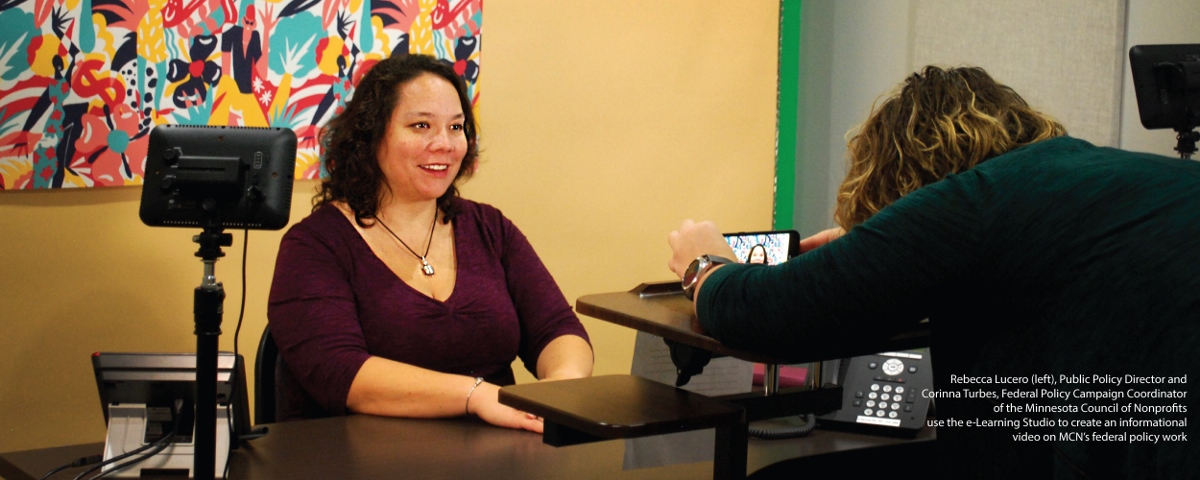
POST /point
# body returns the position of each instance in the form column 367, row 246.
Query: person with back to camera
column 397, row 297
column 1030, row 252
column 757, row 255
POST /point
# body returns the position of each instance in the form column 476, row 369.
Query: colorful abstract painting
column 82, row 82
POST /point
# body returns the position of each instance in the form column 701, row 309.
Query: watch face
column 689, row 275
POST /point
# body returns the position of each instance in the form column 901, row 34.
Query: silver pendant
column 426, row 268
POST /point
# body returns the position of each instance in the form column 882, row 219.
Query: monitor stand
column 127, row 425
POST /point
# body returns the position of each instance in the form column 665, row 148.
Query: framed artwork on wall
column 82, row 82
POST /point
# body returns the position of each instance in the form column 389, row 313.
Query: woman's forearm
column 390, row 388
column 568, row 356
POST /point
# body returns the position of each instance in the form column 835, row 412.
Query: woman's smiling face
column 424, row 146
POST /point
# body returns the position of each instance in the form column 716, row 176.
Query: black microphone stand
column 208, row 309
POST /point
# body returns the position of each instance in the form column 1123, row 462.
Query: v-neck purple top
column 333, row 304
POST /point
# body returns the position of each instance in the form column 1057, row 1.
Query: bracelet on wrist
column 478, row 380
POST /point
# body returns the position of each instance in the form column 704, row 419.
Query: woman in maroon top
column 396, row 297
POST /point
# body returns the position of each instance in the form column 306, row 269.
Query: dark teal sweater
column 1056, row 258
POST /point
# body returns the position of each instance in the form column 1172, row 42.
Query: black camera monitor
column 230, row 177
column 159, row 380
column 1166, row 80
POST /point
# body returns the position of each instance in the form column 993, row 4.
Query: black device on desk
column 150, row 396
column 882, row 393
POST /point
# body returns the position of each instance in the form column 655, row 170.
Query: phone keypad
column 889, row 404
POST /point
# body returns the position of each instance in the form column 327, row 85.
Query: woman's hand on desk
column 389, row 388
column 485, row 403
column 563, row 358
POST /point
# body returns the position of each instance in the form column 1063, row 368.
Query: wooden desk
column 666, row 313
column 368, row 447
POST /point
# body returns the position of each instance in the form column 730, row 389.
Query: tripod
column 215, row 177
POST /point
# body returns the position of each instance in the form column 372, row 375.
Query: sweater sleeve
column 881, row 276
column 313, row 316
column 541, row 307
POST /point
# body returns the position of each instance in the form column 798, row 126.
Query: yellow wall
column 604, row 123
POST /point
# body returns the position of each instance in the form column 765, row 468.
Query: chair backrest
column 265, row 392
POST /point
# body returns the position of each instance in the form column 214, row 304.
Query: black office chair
column 265, row 367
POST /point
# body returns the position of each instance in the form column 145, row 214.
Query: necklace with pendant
column 426, row 268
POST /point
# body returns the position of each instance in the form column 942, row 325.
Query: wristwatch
column 696, row 270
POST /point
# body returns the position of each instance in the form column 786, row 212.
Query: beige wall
column 604, row 123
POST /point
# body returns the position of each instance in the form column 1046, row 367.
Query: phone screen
column 771, row 248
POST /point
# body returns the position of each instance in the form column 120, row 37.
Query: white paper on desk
column 722, row 376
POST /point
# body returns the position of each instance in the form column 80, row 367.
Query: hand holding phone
column 821, row 238
column 692, row 240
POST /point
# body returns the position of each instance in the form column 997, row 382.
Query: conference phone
column 882, row 393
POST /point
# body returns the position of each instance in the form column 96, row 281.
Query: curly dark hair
column 940, row 121
column 351, row 139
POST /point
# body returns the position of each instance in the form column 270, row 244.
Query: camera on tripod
column 1166, row 80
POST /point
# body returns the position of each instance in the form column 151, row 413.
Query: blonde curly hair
column 940, row 121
